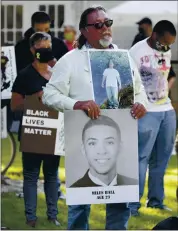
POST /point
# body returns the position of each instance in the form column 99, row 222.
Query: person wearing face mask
column 40, row 22
column 158, row 128
column 145, row 30
column 69, row 36
column 30, row 81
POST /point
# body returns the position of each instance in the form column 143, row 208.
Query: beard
column 105, row 41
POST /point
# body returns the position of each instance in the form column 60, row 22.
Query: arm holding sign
column 18, row 93
column 139, row 108
column 56, row 94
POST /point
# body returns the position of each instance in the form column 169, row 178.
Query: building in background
column 16, row 16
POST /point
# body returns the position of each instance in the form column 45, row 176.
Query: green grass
column 13, row 207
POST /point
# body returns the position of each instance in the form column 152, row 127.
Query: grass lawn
column 12, row 213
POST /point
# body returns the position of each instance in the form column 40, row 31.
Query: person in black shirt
column 145, row 30
column 40, row 22
column 30, row 81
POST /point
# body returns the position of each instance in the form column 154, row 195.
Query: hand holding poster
column 101, row 157
column 112, row 78
column 8, row 71
column 42, row 128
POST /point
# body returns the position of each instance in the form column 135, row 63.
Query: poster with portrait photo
column 101, row 157
column 112, row 78
column 8, row 71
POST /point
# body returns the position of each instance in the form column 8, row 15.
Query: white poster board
column 101, row 157
column 8, row 71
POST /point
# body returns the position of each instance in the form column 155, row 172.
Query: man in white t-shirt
column 112, row 78
column 157, row 129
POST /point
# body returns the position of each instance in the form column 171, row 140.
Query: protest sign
column 101, row 157
column 42, row 128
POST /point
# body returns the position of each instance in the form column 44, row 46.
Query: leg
column 31, row 169
column 148, row 127
column 115, row 96
column 159, row 159
column 109, row 95
column 117, row 216
column 78, row 216
column 50, row 168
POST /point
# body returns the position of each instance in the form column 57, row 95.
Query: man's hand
column 90, row 107
column 138, row 111
column 102, row 85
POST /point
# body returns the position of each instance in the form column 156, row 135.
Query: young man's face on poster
column 101, row 147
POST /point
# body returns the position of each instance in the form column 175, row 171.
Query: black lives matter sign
column 40, row 128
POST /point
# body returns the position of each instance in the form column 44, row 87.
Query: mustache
column 107, row 33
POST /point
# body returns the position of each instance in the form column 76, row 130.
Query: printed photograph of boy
column 101, row 146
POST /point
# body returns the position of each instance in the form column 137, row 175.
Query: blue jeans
column 117, row 216
column 156, row 136
column 112, row 94
column 31, row 169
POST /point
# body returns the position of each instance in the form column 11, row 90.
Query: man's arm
column 171, row 78
column 140, row 94
column 18, row 93
column 56, row 92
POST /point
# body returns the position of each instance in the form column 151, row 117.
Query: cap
column 144, row 21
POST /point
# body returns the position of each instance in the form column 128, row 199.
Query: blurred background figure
column 69, row 36
column 40, row 22
column 145, row 30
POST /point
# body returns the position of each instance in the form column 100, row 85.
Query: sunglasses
column 99, row 25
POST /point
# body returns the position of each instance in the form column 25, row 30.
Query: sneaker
column 61, row 196
column 162, row 207
column 54, row 221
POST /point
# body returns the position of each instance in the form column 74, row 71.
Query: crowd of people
column 60, row 88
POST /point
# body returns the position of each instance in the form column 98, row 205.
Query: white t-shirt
column 112, row 77
column 154, row 69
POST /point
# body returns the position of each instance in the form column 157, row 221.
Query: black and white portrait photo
column 112, row 78
column 8, row 71
column 98, row 157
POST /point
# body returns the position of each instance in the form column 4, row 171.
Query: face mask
column 161, row 47
column 69, row 36
column 44, row 55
